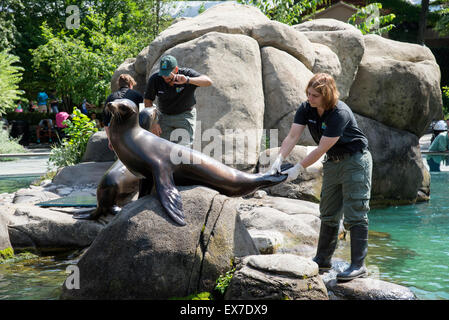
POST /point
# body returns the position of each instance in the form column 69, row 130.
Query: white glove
column 294, row 172
column 276, row 167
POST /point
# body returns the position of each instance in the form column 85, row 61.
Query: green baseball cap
column 168, row 63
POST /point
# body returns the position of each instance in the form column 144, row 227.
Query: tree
column 422, row 21
column 285, row 11
column 369, row 20
column 10, row 76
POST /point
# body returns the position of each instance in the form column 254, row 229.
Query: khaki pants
column 179, row 128
column 346, row 190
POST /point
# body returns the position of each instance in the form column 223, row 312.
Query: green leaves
column 10, row 76
column 285, row 11
column 369, row 20
column 79, row 129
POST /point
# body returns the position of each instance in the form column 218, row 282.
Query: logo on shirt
column 179, row 89
column 160, row 92
column 323, row 126
column 313, row 121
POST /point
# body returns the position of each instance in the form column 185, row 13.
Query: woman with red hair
column 347, row 170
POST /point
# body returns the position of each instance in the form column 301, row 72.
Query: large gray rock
column 342, row 39
column 232, row 62
column 398, row 84
column 369, row 289
column 276, row 277
column 142, row 254
column 308, row 184
column 5, row 244
column 97, row 149
column 398, row 169
column 44, row 230
column 284, row 84
column 84, row 173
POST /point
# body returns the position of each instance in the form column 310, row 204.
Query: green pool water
column 10, row 184
column 410, row 244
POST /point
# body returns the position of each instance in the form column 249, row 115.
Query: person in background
column 347, row 171
column 439, row 143
column 42, row 98
column 60, row 117
column 53, row 102
column 126, row 84
column 84, row 107
column 19, row 107
column 44, row 128
column 93, row 116
column 175, row 87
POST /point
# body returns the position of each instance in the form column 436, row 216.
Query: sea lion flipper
column 170, row 199
column 91, row 215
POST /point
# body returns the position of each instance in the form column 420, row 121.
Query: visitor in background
column 53, row 102
column 19, row 107
column 60, row 117
column 84, row 107
column 439, row 143
column 42, row 98
column 32, row 106
column 44, row 128
column 93, row 116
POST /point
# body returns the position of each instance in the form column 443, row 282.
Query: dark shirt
column 53, row 101
column 172, row 99
column 337, row 122
column 122, row 93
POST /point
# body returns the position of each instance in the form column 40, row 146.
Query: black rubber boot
column 327, row 242
column 359, row 249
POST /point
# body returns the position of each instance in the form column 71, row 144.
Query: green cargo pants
column 179, row 128
column 346, row 190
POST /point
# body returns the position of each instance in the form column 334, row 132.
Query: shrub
column 79, row 129
column 9, row 145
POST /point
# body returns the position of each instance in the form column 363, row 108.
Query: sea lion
column 149, row 156
column 118, row 185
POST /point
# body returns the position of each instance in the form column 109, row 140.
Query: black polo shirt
column 122, row 93
column 172, row 99
column 337, row 122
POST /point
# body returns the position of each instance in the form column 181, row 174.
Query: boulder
column 142, row 254
column 306, row 187
column 369, row 289
column 298, row 233
column 85, row 173
column 382, row 88
column 45, row 230
column 97, row 149
column 276, row 277
column 232, row 62
column 5, row 244
column 345, row 41
column 398, row 169
column 284, row 84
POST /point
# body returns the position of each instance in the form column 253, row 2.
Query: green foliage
column 368, row 20
column 442, row 25
column 33, row 118
column 445, row 100
column 223, row 281
column 196, row 296
column 9, row 145
column 10, row 76
column 6, row 254
column 285, row 11
column 79, row 129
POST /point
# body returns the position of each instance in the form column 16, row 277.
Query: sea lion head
column 122, row 109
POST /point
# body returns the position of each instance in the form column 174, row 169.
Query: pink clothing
column 60, row 117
